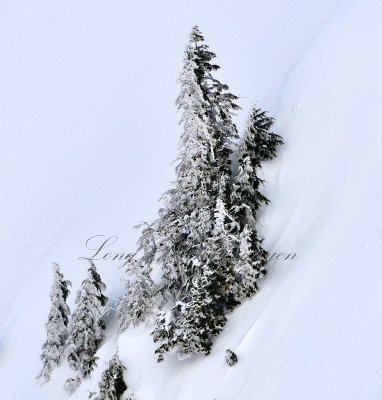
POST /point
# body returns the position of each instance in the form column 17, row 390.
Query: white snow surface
column 88, row 132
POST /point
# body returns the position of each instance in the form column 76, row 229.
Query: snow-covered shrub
column 72, row 384
column 231, row 358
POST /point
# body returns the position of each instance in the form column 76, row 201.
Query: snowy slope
column 89, row 131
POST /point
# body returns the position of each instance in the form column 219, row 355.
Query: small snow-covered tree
column 246, row 197
column 147, row 248
column 258, row 139
column 112, row 384
column 56, row 327
column 258, row 144
column 86, row 326
column 138, row 301
column 72, row 384
column 141, row 297
column 231, row 358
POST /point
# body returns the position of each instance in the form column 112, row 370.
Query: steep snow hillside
column 88, row 132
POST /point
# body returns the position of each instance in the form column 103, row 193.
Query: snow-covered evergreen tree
column 194, row 239
column 189, row 199
column 258, row 144
column 72, row 384
column 250, row 265
column 231, row 358
column 56, row 327
column 203, row 163
column 188, row 328
column 112, row 384
column 138, row 301
column 141, row 297
column 258, row 139
column 205, row 238
column 220, row 107
column 147, row 247
column 86, row 326
column 185, row 329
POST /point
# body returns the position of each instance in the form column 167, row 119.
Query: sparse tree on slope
column 112, row 384
column 56, row 327
column 86, row 326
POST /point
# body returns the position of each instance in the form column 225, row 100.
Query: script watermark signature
column 100, row 249
column 103, row 248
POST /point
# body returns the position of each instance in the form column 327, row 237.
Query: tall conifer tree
column 205, row 238
column 195, row 248
column 203, row 169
